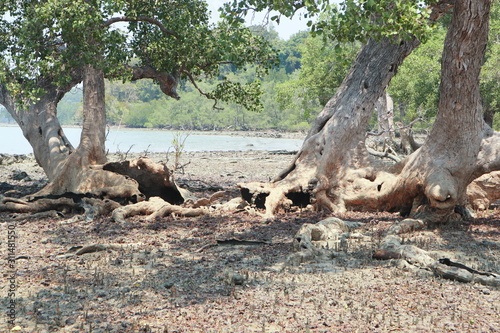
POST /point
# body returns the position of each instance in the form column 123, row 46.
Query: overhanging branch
column 168, row 82
column 193, row 81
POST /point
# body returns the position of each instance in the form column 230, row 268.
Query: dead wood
column 155, row 207
column 154, row 179
column 444, row 268
column 25, row 206
column 323, row 240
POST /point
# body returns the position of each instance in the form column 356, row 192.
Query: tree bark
column 335, row 142
column 81, row 172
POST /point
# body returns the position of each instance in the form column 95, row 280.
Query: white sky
column 286, row 28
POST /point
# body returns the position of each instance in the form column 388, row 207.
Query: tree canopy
column 414, row 89
column 51, row 40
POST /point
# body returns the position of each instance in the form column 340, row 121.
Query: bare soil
column 225, row 272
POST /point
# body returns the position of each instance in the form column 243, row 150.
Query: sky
column 285, row 29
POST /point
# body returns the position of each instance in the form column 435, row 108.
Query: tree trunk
column 41, row 128
column 332, row 165
column 81, row 172
column 335, row 142
column 80, row 177
column 385, row 116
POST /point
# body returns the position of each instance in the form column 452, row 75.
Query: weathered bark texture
column 483, row 191
column 168, row 82
column 154, row 179
column 332, row 165
column 335, row 142
column 79, row 179
column 81, row 172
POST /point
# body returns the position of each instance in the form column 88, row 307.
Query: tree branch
column 193, row 81
column 168, row 82
column 140, row 19
column 441, row 8
column 393, row 157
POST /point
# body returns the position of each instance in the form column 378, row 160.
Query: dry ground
column 224, row 273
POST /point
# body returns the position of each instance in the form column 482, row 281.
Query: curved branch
column 393, row 157
column 168, row 82
column 140, row 19
column 193, row 81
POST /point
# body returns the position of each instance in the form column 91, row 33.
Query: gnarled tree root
column 483, row 191
column 99, row 190
column 155, row 207
column 322, row 240
column 392, row 244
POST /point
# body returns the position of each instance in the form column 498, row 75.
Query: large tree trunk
column 41, row 127
column 446, row 163
column 332, row 165
column 335, row 142
column 81, row 172
column 80, row 177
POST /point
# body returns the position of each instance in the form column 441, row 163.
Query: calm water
column 155, row 141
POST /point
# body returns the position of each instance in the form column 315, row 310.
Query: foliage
column 311, row 69
column 352, row 20
column 51, row 40
column 323, row 69
column 490, row 74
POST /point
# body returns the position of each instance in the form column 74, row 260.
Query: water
column 154, row 141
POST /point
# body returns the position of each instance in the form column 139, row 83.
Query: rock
column 486, row 291
column 386, row 255
column 238, row 279
column 232, row 278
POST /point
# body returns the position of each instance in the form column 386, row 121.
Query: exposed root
column 154, row 179
column 325, row 234
column 154, row 207
column 483, row 191
column 323, row 241
column 392, row 248
column 45, row 204
column 99, row 190
column 320, row 240
column 206, row 202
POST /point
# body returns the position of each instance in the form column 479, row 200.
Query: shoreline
column 265, row 133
